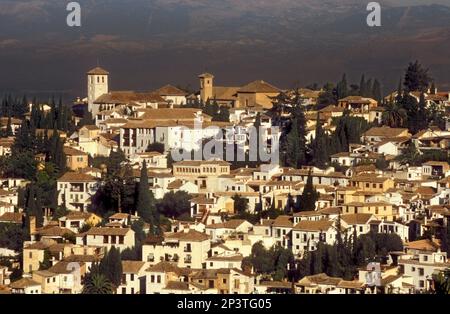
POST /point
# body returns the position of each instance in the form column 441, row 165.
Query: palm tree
column 97, row 283
column 394, row 115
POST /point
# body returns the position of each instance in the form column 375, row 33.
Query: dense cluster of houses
column 204, row 255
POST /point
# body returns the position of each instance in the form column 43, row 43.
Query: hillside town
column 164, row 192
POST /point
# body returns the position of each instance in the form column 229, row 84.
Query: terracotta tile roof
column 5, row 290
column 170, row 113
column 120, row 216
column 319, row 279
column 170, row 90
column 53, row 231
column 225, row 92
column 70, row 151
column 276, row 284
column 191, row 235
column 230, row 224
column 24, row 283
column 368, row 178
column 98, row 71
column 107, row 231
column 11, row 217
column 90, row 127
column 384, row 131
column 357, row 100
column 330, row 210
column 424, row 245
column 132, row 267
column 205, row 274
column 206, row 75
column 259, row 87
column 201, row 199
column 332, row 108
column 354, row 284
column 283, row 221
column 77, row 216
column 319, row 225
column 37, row 246
column 168, row 267
column 176, row 184
column 357, row 219
column 63, row 267
column 76, row 177
column 177, row 285
column 83, row 258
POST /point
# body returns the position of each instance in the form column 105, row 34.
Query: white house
column 75, row 190
column 306, row 235
column 107, row 237
column 133, row 278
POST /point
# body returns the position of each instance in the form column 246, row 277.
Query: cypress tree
column 145, row 204
column 319, row 146
column 422, row 113
column 309, row 196
column 342, row 87
column 362, row 86
column 368, row 89
column 296, row 140
column 376, row 91
column 111, row 266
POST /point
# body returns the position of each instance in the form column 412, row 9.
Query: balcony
column 188, row 260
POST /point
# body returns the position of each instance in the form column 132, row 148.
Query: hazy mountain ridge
column 320, row 39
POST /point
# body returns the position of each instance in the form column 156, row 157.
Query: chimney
column 32, row 225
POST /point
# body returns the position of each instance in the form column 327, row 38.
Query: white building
column 75, row 190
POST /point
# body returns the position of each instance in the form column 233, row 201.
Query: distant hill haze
column 147, row 44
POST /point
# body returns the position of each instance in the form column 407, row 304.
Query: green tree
column 320, row 156
column 175, row 204
column 47, row 261
column 111, row 266
column 145, row 203
column 422, row 113
column 342, row 88
column 416, row 78
column 240, row 204
column 309, row 197
column 296, row 140
column 441, row 282
column 376, row 91
column 96, row 282
column 327, row 96
column 394, row 115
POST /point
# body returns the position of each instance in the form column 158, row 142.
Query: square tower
column 206, row 86
column 97, row 85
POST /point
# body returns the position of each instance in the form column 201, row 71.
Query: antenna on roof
column 98, row 62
